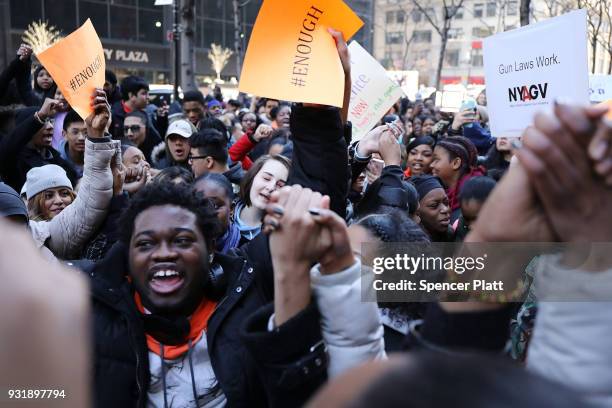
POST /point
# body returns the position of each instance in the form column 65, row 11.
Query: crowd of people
column 220, row 245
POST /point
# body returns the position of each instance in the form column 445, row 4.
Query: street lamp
column 176, row 39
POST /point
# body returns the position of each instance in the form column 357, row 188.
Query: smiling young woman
column 268, row 174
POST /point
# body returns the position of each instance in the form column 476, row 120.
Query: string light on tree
column 219, row 57
column 40, row 35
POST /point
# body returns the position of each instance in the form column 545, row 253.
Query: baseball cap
column 182, row 128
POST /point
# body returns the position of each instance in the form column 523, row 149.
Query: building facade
column 136, row 34
column 405, row 39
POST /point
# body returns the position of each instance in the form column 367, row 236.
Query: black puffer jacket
column 320, row 158
column 254, row 367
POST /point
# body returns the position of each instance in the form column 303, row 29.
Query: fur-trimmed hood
column 160, row 156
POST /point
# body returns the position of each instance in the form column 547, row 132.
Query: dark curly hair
column 166, row 193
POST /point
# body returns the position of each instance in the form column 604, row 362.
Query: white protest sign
column 528, row 68
column 600, row 88
column 372, row 92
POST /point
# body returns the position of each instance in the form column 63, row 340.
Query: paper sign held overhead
column 292, row 57
column 77, row 66
column 373, row 92
column 528, row 68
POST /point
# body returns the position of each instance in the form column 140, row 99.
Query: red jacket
column 239, row 150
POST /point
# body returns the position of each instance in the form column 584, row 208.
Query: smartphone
column 469, row 105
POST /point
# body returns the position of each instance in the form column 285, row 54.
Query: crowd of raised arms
column 208, row 252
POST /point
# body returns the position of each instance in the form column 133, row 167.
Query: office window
column 21, row 20
column 417, row 16
column 123, row 23
column 481, row 32
column 401, row 16
column 459, row 14
column 512, row 8
column 455, row 33
column 213, row 32
column 422, row 36
column 478, row 10
column 63, row 18
column 476, row 59
column 390, row 17
column 491, row 9
column 394, row 38
column 452, row 58
column 453, row 9
column 151, row 27
column 148, row 4
column 98, row 13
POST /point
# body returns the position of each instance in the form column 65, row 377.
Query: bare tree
column 605, row 37
column 449, row 11
column 408, row 33
column 595, row 16
column 524, row 12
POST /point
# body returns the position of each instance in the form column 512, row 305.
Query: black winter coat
column 254, row 367
column 16, row 158
column 320, row 158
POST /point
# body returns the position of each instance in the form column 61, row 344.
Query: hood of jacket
column 247, row 231
column 160, row 156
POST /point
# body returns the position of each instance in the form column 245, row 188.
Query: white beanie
column 42, row 178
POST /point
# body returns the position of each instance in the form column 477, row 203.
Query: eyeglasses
column 133, row 128
column 190, row 157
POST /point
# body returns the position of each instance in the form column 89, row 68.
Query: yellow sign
column 77, row 66
column 292, row 57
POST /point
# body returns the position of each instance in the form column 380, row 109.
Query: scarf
column 197, row 325
column 229, row 240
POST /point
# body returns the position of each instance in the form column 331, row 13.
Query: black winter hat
column 11, row 203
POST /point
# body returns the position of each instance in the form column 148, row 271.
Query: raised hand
column 296, row 242
column 461, row 118
column 98, row 120
column 50, row 108
column 339, row 254
column 342, row 48
column 389, row 149
column 262, row 132
column 24, row 52
column 577, row 203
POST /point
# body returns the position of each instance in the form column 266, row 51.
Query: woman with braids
column 454, row 163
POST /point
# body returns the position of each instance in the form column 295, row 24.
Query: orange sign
column 77, row 66
column 292, row 57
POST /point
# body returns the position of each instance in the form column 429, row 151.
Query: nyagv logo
column 527, row 92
